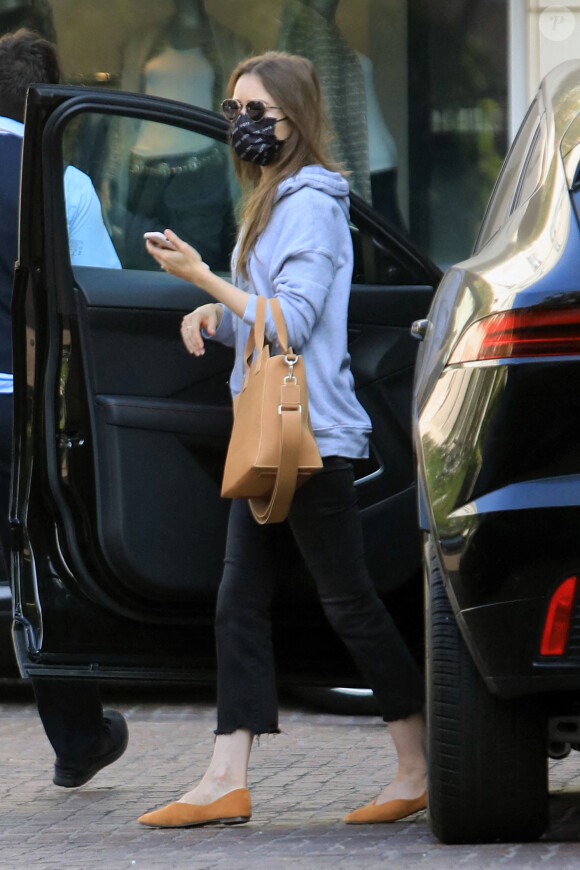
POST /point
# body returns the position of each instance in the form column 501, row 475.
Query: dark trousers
column 159, row 199
column 72, row 715
column 71, row 710
column 325, row 522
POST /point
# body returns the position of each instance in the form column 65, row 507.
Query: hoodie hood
column 317, row 177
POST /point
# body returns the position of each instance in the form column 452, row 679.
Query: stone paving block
column 303, row 781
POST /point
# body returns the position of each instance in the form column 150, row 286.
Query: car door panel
column 131, row 342
column 160, row 420
column 382, row 360
column 147, row 352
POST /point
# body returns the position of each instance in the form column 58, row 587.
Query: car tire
column 488, row 766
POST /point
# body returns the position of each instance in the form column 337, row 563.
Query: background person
column 157, row 175
column 84, row 737
column 295, row 244
column 17, row 14
column 363, row 145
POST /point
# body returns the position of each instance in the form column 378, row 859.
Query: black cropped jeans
column 326, row 525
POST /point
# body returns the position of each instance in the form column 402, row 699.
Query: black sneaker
column 70, row 774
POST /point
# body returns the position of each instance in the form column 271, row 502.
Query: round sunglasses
column 254, row 109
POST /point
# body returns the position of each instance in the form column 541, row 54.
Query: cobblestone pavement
column 302, row 781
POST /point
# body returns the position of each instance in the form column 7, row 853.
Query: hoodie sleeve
column 225, row 333
column 301, row 286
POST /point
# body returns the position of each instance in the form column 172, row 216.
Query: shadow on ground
column 564, row 818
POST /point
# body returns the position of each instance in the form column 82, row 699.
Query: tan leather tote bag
column 272, row 448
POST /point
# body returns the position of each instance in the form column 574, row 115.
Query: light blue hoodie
column 304, row 257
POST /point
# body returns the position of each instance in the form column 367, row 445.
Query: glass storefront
column 416, row 89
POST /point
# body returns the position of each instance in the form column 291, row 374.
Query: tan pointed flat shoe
column 233, row 808
column 390, row 811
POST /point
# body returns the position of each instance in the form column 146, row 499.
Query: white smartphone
column 160, row 240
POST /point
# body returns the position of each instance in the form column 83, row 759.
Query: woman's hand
column 206, row 317
column 185, row 262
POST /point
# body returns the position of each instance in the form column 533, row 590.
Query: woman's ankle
column 209, row 790
column 224, row 780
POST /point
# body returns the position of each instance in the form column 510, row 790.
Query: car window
column 146, row 176
column 149, row 176
column 502, row 199
column 375, row 260
column 532, row 170
column 89, row 241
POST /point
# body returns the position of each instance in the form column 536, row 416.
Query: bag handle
column 279, row 323
column 260, row 322
column 274, row 508
column 256, row 336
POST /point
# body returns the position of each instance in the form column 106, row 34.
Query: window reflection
column 180, row 180
column 151, row 176
column 363, row 142
column 187, row 55
column 36, row 16
column 159, row 175
column 89, row 241
column 416, row 89
column 500, row 205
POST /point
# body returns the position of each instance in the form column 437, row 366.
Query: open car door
column 118, row 527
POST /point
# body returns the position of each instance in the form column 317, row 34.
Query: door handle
column 419, row 329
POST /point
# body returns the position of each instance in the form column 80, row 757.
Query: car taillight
column 523, row 332
column 558, row 618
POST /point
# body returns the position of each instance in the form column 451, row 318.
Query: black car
column 117, row 523
column 496, row 422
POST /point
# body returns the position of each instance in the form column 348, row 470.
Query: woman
column 294, row 243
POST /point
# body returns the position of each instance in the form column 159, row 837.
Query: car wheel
column 488, row 771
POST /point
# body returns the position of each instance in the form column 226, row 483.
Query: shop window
column 416, row 90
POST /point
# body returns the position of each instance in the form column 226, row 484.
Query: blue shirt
column 89, row 241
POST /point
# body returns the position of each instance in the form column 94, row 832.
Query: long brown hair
column 292, row 83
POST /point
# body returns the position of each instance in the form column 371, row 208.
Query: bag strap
column 275, row 508
column 279, row 323
column 260, row 322
column 256, row 334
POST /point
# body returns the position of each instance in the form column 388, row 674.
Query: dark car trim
column 496, row 441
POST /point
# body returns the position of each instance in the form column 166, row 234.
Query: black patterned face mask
column 255, row 141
